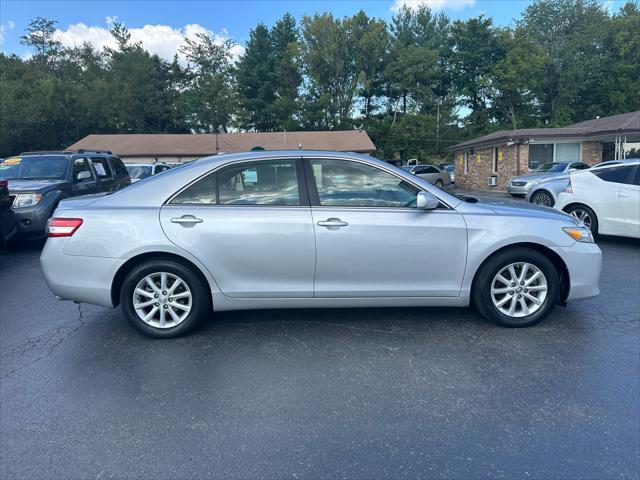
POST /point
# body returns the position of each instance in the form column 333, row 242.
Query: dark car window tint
column 431, row 170
column 101, row 166
column 203, row 192
column 118, row 167
column 352, row 184
column 637, row 179
column 271, row 182
column 614, row 174
column 81, row 165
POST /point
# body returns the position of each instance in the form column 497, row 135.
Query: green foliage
column 416, row 84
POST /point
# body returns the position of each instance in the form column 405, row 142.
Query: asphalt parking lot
column 368, row 393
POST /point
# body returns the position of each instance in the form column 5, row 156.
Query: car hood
column 522, row 209
column 18, row 186
column 537, row 176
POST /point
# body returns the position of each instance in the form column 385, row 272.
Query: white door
column 607, row 194
column 372, row 241
column 247, row 225
column 629, row 196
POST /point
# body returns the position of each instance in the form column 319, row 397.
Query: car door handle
column 186, row 219
column 332, row 222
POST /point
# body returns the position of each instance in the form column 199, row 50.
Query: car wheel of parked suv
column 164, row 298
column 516, row 288
column 586, row 216
column 542, row 198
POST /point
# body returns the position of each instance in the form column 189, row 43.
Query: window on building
column 540, row 153
column 567, row 152
column 494, row 165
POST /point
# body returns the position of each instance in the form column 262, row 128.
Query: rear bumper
column 584, row 262
column 79, row 278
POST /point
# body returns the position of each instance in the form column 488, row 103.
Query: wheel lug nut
column 166, row 306
column 164, row 293
column 171, row 299
column 513, row 284
column 157, row 304
column 525, row 290
column 155, row 296
column 521, row 283
column 511, row 292
column 519, row 296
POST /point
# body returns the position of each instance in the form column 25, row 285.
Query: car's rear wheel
column 586, row 216
column 543, row 198
column 439, row 183
column 164, row 298
column 516, row 288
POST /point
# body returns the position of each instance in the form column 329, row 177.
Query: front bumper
column 584, row 262
column 518, row 190
column 32, row 221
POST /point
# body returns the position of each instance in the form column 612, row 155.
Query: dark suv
column 39, row 180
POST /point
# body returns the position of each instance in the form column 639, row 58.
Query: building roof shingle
column 131, row 145
column 624, row 123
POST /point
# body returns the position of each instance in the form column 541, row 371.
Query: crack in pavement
column 40, row 347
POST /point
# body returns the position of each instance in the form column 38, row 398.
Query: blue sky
column 160, row 24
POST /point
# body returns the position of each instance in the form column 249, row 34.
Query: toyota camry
column 302, row 229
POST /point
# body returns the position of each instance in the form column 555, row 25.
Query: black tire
column 481, row 290
column 542, row 198
column 439, row 183
column 200, row 297
column 576, row 211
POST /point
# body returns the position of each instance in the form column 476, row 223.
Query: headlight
column 26, row 200
column 579, row 234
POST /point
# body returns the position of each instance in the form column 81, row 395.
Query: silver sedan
column 300, row 229
column 430, row 173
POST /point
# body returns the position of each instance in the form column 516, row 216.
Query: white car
column 138, row 171
column 605, row 199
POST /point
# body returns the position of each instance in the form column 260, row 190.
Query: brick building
column 488, row 162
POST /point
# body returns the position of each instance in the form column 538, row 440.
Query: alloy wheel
column 543, row 198
column 162, row 300
column 519, row 289
column 582, row 215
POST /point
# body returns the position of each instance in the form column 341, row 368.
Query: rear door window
column 621, row 174
column 102, row 168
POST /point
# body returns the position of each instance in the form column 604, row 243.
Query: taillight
column 63, row 227
column 569, row 188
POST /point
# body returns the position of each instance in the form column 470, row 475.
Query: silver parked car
column 520, row 185
column 545, row 192
column 430, row 173
column 298, row 229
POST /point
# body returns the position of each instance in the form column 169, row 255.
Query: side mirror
column 84, row 175
column 427, row 201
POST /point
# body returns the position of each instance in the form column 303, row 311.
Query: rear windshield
column 42, row 167
column 139, row 171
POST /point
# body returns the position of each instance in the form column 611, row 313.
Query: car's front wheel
column 163, row 298
column 516, row 288
column 543, row 198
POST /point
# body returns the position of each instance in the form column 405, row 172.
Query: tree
column 571, row 35
column 256, row 82
column 208, row 101
column 476, row 51
column 286, row 70
column 40, row 37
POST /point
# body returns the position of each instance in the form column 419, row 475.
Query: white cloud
column 163, row 40
column 4, row 28
column 433, row 4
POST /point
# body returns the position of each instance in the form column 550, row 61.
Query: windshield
column 42, row 167
column 139, row 171
column 552, row 167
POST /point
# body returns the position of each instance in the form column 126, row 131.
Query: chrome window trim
column 295, row 157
